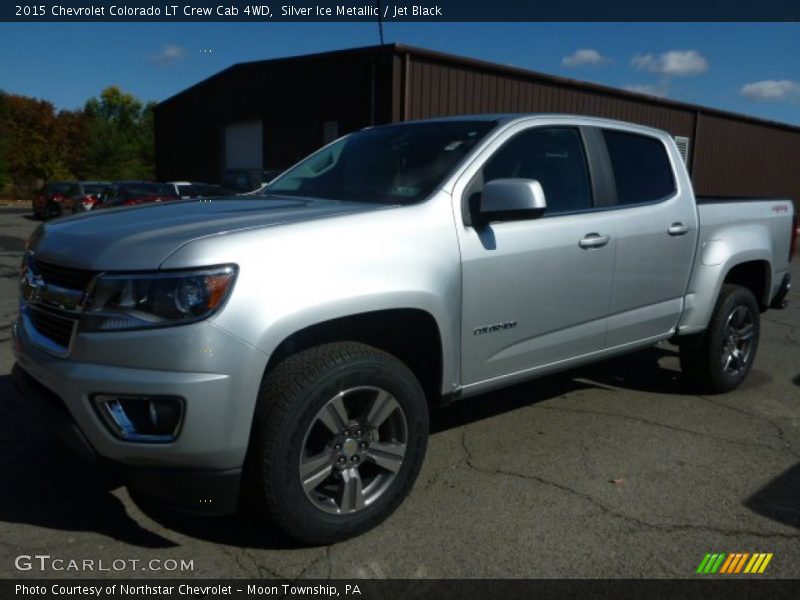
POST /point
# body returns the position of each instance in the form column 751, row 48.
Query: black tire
column 289, row 406
column 706, row 357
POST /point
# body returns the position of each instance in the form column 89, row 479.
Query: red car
column 82, row 196
column 48, row 201
column 129, row 193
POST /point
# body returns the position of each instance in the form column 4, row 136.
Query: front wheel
column 338, row 439
column 720, row 358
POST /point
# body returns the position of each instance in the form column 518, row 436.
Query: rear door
column 535, row 292
column 656, row 235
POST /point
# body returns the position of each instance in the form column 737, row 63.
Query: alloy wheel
column 353, row 450
column 737, row 343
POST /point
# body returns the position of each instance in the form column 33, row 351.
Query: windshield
column 393, row 164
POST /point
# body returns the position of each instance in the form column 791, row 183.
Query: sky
column 750, row 68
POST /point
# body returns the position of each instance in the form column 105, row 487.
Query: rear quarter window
column 642, row 170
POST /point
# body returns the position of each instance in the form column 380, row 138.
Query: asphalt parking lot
column 616, row 470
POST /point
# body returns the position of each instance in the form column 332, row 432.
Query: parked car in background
column 129, row 193
column 82, row 196
column 47, row 202
column 188, row 189
column 247, row 180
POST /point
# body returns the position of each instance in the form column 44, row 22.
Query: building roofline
column 595, row 87
column 363, row 50
column 404, row 49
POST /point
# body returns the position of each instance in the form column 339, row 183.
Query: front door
column 537, row 291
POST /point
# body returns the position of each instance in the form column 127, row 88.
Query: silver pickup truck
column 284, row 348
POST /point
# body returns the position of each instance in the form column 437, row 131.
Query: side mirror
column 510, row 200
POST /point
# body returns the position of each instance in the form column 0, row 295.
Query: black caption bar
column 397, row 10
column 431, row 589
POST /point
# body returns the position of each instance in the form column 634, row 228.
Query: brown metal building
column 268, row 114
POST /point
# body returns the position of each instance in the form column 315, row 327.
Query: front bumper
column 201, row 491
column 215, row 373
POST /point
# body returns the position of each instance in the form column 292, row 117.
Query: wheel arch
column 754, row 275
column 717, row 265
column 412, row 335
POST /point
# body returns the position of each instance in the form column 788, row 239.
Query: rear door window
column 642, row 170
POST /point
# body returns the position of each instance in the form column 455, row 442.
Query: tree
column 111, row 138
column 71, row 132
column 32, row 147
column 119, row 141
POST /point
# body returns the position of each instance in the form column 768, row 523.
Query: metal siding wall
column 495, row 92
column 398, row 82
column 293, row 98
column 188, row 142
column 732, row 157
column 737, row 158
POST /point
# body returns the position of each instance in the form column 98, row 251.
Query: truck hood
column 142, row 237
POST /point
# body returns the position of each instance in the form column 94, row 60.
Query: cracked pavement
column 614, row 470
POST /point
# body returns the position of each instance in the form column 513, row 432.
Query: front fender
column 294, row 276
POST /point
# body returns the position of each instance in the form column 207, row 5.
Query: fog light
column 141, row 418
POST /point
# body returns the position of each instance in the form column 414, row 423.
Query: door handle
column 594, row 240
column 677, row 229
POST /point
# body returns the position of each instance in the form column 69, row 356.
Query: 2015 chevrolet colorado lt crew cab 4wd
column 287, row 346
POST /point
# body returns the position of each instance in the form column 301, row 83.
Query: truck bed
column 754, row 230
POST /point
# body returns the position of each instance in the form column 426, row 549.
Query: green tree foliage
column 110, row 138
column 120, row 141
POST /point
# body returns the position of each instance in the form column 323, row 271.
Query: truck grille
column 53, row 326
column 49, row 321
column 68, row 277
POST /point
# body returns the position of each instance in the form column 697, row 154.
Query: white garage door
column 244, row 145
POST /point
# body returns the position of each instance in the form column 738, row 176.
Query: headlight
column 142, row 301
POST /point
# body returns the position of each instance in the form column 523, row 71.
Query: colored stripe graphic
column 764, row 564
column 754, row 562
column 730, row 565
column 727, row 564
column 710, row 563
column 740, row 564
column 735, row 563
column 718, row 563
column 701, row 568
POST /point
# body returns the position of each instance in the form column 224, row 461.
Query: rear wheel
column 338, row 439
column 720, row 358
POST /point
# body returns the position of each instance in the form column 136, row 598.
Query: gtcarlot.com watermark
column 48, row 563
